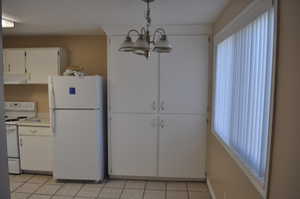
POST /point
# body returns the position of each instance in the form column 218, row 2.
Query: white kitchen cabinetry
column 133, row 138
column 14, row 61
column 43, row 62
column 133, row 81
column 166, row 138
column 182, row 146
column 184, row 76
column 32, row 65
column 36, row 148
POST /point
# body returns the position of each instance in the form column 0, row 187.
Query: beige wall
column 285, row 172
column 231, row 11
column 223, row 172
column 225, row 175
column 86, row 51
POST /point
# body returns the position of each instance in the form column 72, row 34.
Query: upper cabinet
column 173, row 83
column 133, row 81
column 42, row 63
column 32, row 65
column 14, row 61
column 184, row 76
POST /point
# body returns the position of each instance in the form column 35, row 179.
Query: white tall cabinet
column 158, row 110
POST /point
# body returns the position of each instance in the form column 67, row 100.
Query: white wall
column 4, row 189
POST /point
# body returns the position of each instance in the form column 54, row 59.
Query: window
column 243, row 90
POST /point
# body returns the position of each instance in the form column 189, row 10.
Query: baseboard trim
column 211, row 190
column 117, row 177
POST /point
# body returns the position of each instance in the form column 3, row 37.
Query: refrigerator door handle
column 52, row 95
column 52, row 111
column 52, row 120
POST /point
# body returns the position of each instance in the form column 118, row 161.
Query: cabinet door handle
column 21, row 142
column 162, row 105
column 153, row 105
column 162, row 124
column 8, row 67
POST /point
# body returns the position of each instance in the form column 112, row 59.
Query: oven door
column 12, row 141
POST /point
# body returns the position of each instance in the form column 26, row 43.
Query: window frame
column 255, row 9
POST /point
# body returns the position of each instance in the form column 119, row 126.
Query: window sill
column 258, row 184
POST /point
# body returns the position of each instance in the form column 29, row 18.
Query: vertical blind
column 243, row 85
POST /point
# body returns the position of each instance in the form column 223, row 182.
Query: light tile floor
column 44, row 187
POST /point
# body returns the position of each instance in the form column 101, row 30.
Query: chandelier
column 144, row 44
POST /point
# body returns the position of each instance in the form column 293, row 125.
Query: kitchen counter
column 39, row 122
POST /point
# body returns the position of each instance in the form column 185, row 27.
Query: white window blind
column 243, row 85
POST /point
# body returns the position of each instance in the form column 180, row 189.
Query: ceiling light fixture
column 144, row 45
column 7, row 23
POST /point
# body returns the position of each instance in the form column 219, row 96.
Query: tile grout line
column 21, row 184
column 25, row 182
column 61, row 186
column 144, row 190
column 166, row 190
column 187, row 190
column 102, row 187
column 11, row 177
column 42, row 184
column 122, row 190
column 81, row 187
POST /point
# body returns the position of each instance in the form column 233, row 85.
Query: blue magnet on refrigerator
column 72, row 91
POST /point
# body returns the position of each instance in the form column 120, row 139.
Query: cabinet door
column 14, row 61
column 133, row 81
column 36, row 153
column 184, row 75
column 133, row 145
column 182, row 146
column 41, row 63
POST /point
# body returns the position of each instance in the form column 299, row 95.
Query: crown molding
column 121, row 30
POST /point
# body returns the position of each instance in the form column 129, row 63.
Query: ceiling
column 89, row 16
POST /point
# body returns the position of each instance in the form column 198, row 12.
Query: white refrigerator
column 76, row 114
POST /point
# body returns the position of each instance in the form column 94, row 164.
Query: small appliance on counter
column 76, row 117
column 14, row 113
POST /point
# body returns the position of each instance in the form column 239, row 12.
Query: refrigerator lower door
column 78, row 145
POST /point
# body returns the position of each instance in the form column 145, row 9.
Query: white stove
column 14, row 112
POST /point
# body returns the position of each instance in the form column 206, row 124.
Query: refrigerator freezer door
column 75, row 92
column 78, row 145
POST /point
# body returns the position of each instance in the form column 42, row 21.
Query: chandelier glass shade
column 146, row 42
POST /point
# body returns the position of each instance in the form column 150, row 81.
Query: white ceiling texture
column 90, row 16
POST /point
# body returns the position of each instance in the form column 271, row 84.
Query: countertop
column 41, row 120
column 38, row 123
